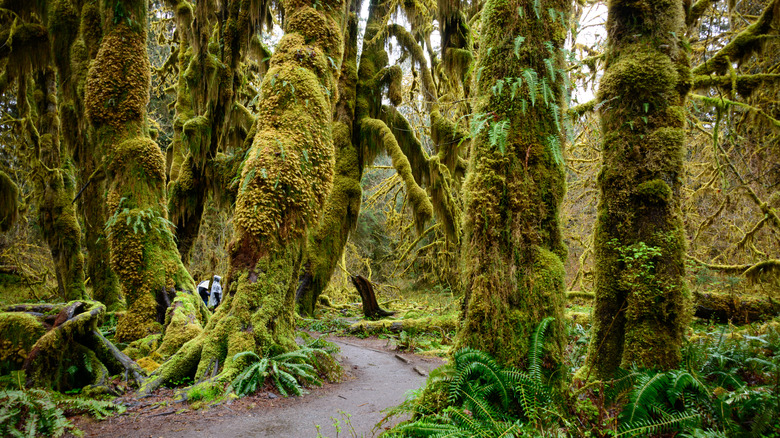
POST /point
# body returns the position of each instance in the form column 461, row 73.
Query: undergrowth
column 35, row 412
column 290, row 371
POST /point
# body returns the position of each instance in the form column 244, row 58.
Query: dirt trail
column 376, row 380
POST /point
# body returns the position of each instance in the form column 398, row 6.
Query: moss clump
column 18, row 333
column 117, row 89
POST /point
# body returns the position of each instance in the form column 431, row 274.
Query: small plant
column 204, row 393
column 31, row 413
column 486, row 399
column 286, row 370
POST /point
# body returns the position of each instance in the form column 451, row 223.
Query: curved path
column 375, row 381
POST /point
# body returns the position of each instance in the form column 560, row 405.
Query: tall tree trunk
column 326, row 241
column 54, row 190
column 641, row 306
column 143, row 249
column 75, row 31
column 512, row 256
column 284, row 182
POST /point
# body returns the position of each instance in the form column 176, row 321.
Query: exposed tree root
column 62, row 348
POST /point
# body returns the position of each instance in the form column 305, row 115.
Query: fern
column 535, row 349
column 478, row 123
column 548, row 62
column 288, row 371
column 518, row 42
column 499, row 132
column 489, row 400
column 31, row 413
column 530, row 80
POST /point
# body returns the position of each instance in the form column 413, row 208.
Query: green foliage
column 727, row 387
column 488, row 400
column 498, row 135
column 31, row 413
column 287, row 372
column 35, row 412
column 97, row 409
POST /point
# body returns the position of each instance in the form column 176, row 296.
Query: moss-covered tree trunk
column 52, row 176
column 284, row 182
column 208, row 118
column 75, row 30
column 512, row 256
column 369, row 136
column 326, row 241
column 143, row 250
column 60, row 347
column 641, row 306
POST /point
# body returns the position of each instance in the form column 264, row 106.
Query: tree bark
column 143, row 249
column 513, row 275
column 640, row 313
column 371, row 308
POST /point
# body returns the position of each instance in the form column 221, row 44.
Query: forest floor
column 375, row 378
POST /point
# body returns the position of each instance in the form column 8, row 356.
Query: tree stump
column 371, row 308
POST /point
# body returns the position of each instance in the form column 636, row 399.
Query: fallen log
column 725, row 307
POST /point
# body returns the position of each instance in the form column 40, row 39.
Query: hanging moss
column 642, row 304
column 512, row 269
column 26, row 47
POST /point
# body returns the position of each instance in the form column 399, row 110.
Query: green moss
column 654, row 190
column 641, row 305
column 180, row 326
column 9, row 201
column 118, row 82
column 18, row 333
column 511, row 262
column 326, row 241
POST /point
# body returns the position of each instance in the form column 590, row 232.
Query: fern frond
column 649, row 426
column 645, row 395
column 536, row 349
